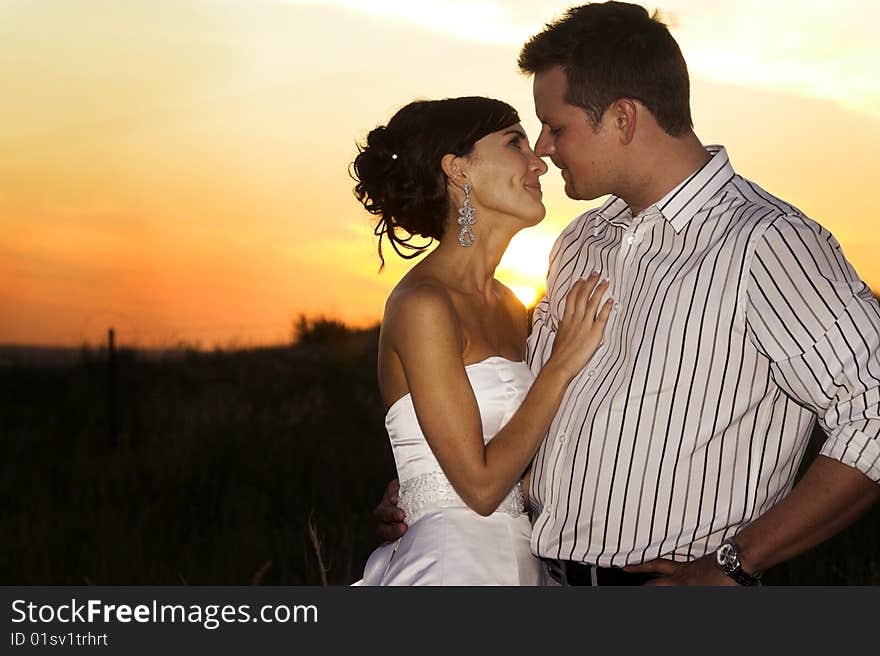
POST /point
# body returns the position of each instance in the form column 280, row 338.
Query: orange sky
column 179, row 169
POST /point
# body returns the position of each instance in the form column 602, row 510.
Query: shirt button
column 590, row 373
column 630, row 239
column 561, row 438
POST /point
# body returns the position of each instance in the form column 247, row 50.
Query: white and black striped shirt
column 738, row 321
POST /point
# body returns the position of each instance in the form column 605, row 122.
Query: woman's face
column 504, row 172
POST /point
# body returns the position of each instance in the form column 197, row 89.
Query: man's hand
column 702, row 571
column 389, row 518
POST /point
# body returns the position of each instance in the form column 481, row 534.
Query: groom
column 738, row 322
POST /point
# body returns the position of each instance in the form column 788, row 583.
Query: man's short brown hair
column 615, row 50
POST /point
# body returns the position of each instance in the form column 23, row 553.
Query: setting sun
column 527, row 295
column 179, row 169
column 524, row 266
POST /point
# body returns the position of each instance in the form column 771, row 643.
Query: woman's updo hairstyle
column 398, row 172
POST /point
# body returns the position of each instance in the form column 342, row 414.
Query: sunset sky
column 178, row 169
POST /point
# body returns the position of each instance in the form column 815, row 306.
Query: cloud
column 818, row 50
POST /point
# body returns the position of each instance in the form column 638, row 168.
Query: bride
column 465, row 414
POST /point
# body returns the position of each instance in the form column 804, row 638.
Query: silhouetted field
column 221, row 459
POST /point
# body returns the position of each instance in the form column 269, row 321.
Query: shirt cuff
column 854, row 448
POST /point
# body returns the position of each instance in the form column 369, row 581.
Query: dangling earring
column 466, row 219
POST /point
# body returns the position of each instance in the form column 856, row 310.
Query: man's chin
column 574, row 194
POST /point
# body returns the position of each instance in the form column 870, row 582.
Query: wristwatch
column 727, row 560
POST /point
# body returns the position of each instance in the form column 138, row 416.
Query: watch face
column 726, row 555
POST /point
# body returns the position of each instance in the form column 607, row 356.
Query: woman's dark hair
column 398, row 172
column 614, row 50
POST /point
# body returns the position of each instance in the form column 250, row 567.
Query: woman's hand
column 582, row 327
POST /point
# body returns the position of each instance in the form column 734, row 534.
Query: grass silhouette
column 236, row 467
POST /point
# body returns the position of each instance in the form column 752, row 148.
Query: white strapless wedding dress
column 447, row 543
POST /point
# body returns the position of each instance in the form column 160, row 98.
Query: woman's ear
column 453, row 168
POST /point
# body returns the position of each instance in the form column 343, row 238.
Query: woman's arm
column 426, row 337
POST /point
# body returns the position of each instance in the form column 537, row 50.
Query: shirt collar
column 681, row 204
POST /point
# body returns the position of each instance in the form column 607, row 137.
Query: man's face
column 585, row 155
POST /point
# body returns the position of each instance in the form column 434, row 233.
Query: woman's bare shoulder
column 419, row 295
column 420, row 304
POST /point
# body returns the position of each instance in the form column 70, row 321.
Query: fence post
column 112, row 400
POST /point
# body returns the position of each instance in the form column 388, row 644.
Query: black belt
column 568, row 572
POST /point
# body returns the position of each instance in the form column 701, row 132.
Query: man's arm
column 828, row 498
column 809, row 313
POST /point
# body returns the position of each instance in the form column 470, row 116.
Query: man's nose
column 544, row 144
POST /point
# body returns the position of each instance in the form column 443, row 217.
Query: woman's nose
column 538, row 164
